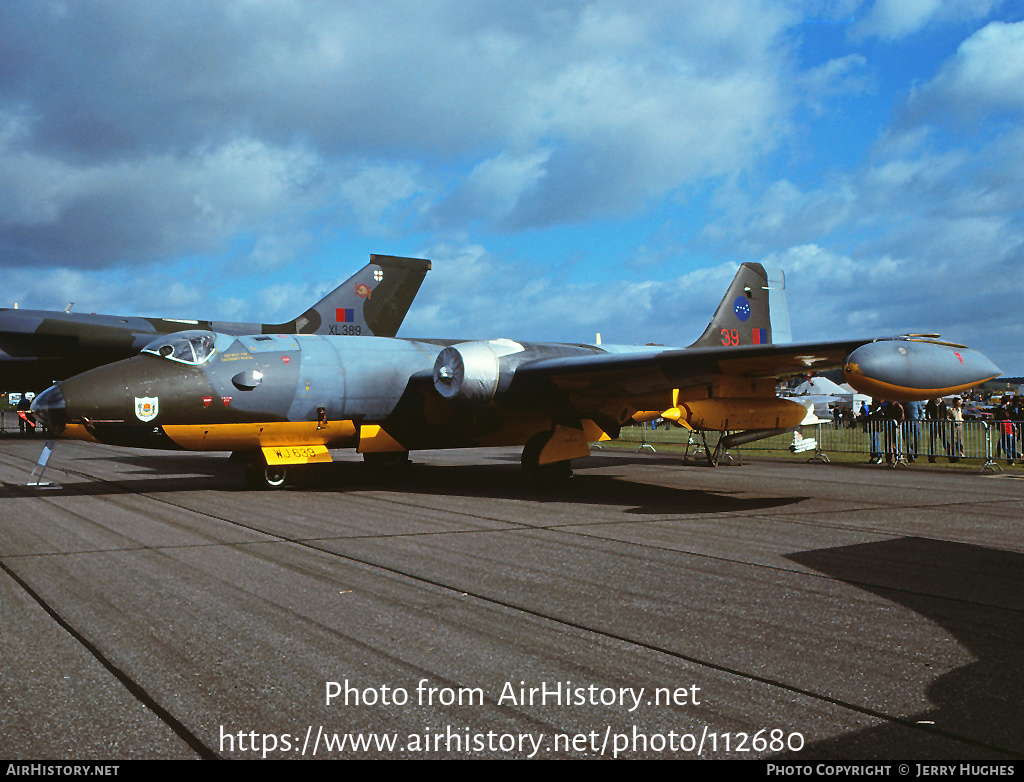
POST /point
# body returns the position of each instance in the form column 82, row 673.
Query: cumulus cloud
column 922, row 236
column 374, row 191
column 838, row 76
column 984, row 76
column 141, row 143
column 97, row 214
column 894, row 19
column 478, row 294
column 623, row 136
column 165, row 130
column 833, row 295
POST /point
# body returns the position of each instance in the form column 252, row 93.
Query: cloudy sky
column 569, row 167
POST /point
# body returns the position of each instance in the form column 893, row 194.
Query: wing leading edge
column 643, row 374
column 743, row 351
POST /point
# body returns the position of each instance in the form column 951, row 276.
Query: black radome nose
column 48, row 408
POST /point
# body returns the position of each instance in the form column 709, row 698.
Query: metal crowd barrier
column 938, row 441
column 12, row 424
column 921, row 440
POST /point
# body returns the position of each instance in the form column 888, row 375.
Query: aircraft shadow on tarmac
column 648, row 459
column 494, row 480
column 975, row 593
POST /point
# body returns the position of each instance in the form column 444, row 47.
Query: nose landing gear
column 260, row 475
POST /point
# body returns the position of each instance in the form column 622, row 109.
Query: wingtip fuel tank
column 911, row 368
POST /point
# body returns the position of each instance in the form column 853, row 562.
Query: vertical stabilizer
column 372, row 302
column 753, row 311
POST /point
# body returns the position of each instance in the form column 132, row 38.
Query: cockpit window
column 188, row 347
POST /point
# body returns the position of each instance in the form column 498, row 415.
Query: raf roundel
column 742, row 308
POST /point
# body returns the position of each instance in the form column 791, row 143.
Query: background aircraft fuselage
column 38, row 347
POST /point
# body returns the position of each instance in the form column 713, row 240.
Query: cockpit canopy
column 186, row 347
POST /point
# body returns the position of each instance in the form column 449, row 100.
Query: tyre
column 265, row 476
column 387, row 461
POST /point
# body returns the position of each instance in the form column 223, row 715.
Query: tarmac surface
column 152, row 606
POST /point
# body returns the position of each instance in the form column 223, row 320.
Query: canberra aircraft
column 38, row 347
column 283, row 400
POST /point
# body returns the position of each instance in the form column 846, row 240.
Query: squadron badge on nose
column 146, row 407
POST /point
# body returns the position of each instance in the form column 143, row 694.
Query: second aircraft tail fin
column 753, row 312
column 372, row 302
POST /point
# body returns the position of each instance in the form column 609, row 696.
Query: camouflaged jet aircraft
column 38, row 347
column 280, row 401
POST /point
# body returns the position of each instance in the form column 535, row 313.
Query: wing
column 647, row 380
column 901, row 368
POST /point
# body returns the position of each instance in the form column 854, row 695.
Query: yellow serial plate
column 296, row 454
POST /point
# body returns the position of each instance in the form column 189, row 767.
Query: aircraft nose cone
column 49, row 408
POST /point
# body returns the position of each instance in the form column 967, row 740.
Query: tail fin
column 372, row 302
column 753, row 312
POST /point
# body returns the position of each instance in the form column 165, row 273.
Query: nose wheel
column 265, row 476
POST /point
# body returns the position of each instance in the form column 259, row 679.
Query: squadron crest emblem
column 146, row 407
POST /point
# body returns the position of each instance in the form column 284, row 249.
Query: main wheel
column 390, row 460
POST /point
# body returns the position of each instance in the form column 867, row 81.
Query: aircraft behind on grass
column 38, row 347
column 281, row 401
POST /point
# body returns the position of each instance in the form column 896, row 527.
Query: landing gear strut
column 533, row 469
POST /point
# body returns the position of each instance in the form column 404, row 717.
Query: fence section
column 927, row 440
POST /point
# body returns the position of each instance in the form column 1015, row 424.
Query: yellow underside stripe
column 242, row 437
column 881, row 390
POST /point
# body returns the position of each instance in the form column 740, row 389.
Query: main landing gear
column 388, row 460
column 552, row 472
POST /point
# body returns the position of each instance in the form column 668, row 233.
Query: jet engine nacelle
column 469, row 371
column 737, row 414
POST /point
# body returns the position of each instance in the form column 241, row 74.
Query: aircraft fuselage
column 261, row 391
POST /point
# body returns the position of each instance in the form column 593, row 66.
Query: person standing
column 931, row 414
column 872, row 419
column 944, row 428
column 955, row 413
column 1006, row 438
column 894, row 416
column 24, row 405
column 912, row 429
